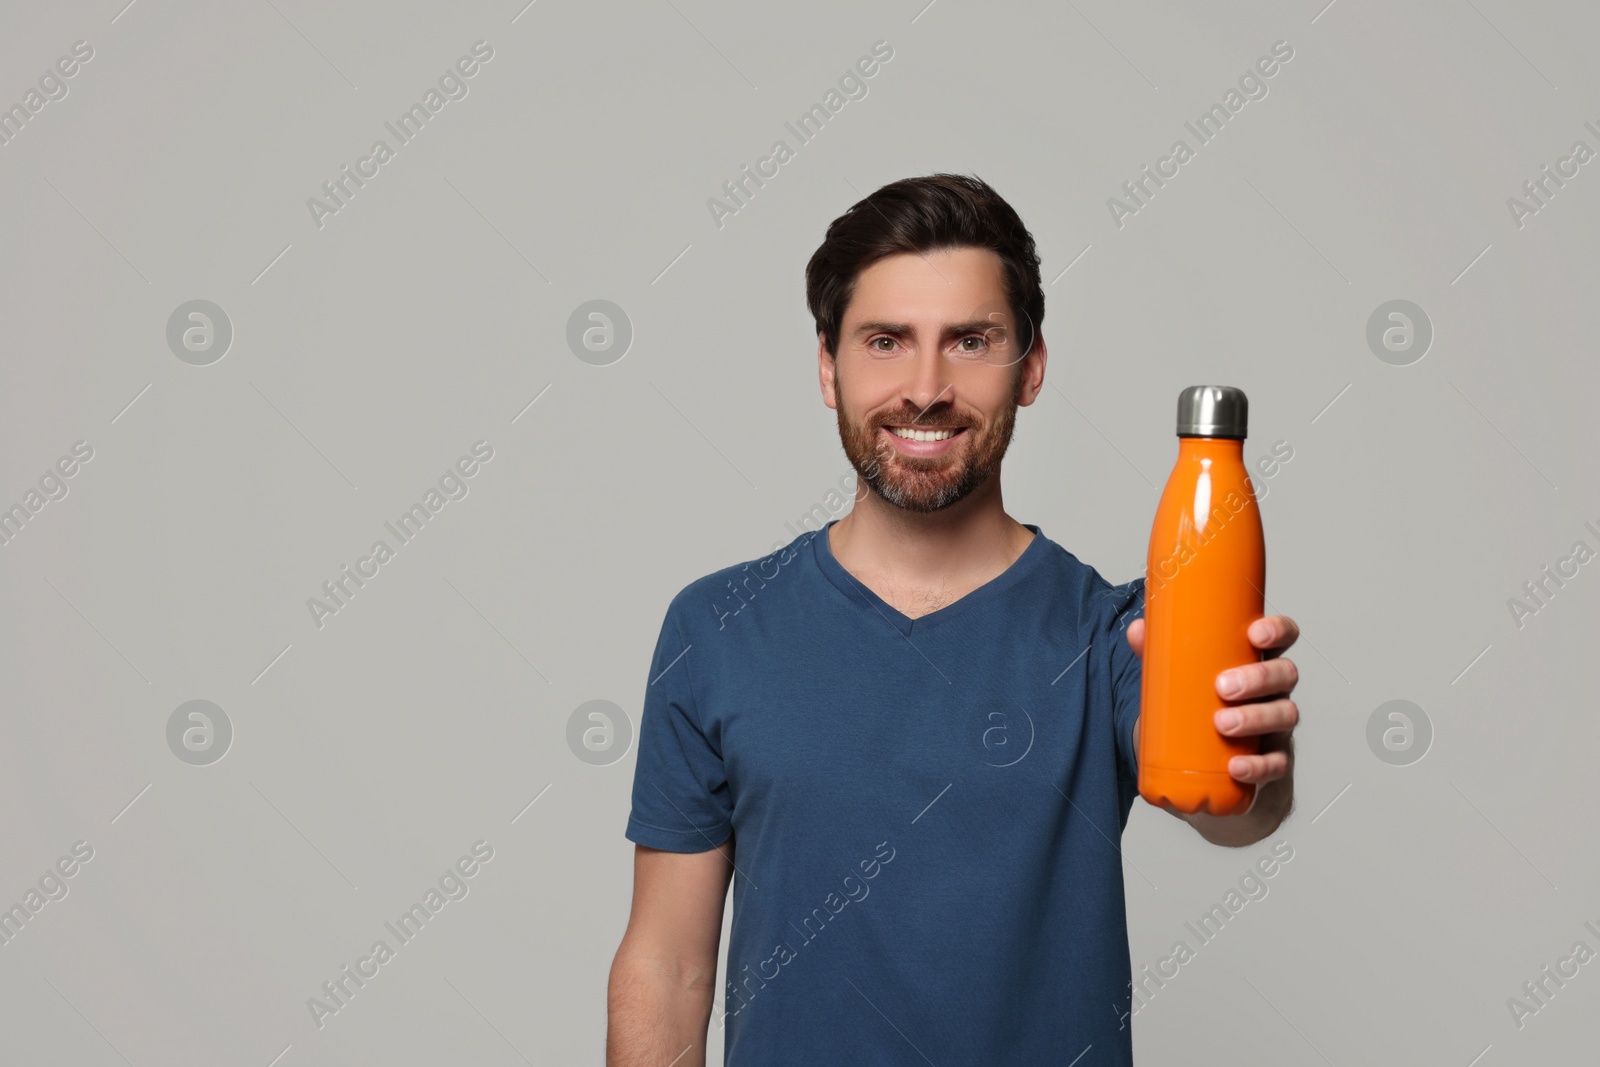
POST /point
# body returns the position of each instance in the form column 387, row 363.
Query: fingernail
column 1237, row 767
column 1229, row 720
column 1230, row 683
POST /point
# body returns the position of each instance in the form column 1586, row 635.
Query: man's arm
column 664, row 977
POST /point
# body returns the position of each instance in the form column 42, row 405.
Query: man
column 909, row 737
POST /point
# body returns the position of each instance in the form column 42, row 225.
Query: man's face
column 928, row 343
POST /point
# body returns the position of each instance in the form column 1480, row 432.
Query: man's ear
column 826, row 368
column 1031, row 383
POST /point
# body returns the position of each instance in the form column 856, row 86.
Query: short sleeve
column 1127, row 673
column 681, row 801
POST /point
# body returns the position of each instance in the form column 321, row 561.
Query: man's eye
column 876, row 341
column 977, row 343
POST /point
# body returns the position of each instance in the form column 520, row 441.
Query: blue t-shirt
column 926, row 813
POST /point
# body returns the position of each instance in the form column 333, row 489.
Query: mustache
column 915, row 422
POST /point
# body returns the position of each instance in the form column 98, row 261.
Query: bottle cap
column 1212, row 411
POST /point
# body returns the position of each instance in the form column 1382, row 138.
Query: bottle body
column 1204, row 585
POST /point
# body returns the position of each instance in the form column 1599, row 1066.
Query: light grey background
column 429, row 313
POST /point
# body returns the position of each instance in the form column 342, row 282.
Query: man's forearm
column 657, row 1013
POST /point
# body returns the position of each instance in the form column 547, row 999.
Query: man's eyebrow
column 974, row 326
column 897, row 329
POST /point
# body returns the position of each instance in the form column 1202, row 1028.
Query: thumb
column 1136, row 638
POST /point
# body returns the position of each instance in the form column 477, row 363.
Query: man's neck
column 916, row 560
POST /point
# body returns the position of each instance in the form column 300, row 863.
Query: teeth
column 922, row 435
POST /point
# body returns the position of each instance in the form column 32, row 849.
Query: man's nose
column 928, row 380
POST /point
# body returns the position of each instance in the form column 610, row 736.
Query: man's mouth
column 917, row 433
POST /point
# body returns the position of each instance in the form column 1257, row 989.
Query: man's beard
column 931, row 483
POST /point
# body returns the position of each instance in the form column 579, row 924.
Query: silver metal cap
column 1212, row 411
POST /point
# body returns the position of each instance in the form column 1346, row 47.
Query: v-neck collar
column 875, row 606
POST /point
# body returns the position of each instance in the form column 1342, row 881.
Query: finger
column 1273, row 632
column 1268, row 717
column 1259, row 769
column 1269, row 678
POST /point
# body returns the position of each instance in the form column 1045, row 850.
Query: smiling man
column 915, row 752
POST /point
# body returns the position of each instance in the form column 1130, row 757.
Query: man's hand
column 1266, row 711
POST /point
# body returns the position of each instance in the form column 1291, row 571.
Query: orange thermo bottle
column 1205, row 582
